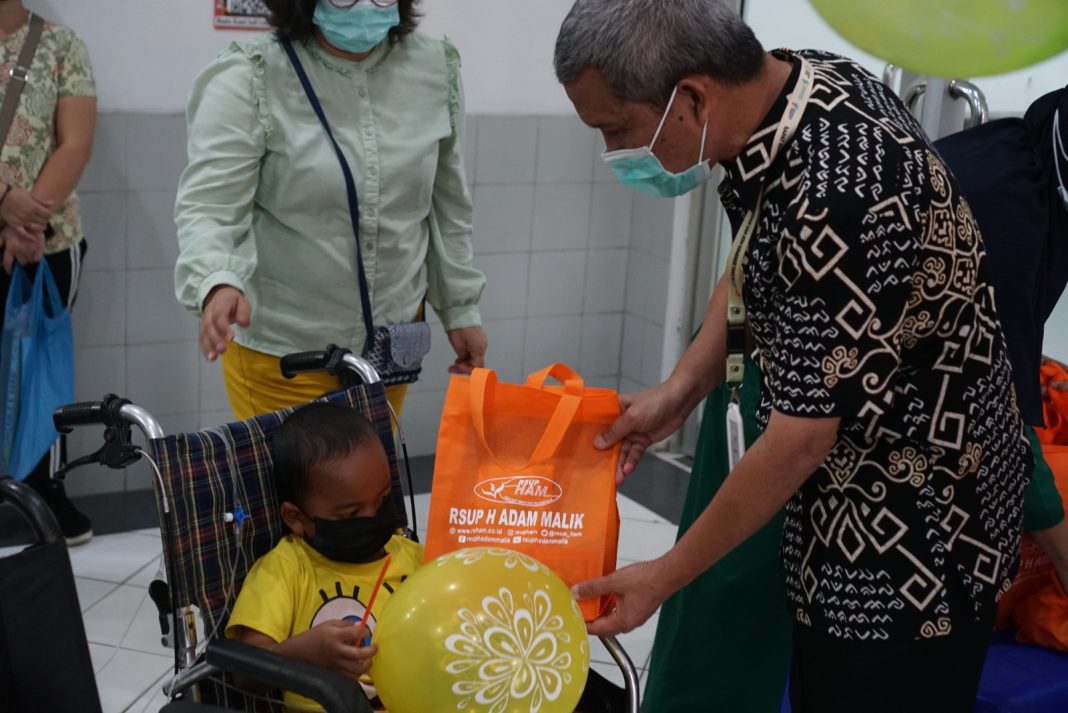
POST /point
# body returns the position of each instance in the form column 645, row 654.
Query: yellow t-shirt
column 293, row 588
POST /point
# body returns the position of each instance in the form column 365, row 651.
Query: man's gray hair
column 643, row 48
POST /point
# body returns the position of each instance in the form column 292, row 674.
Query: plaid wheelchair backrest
column 227, row 470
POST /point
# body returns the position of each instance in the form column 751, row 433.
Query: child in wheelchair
column 307, row 597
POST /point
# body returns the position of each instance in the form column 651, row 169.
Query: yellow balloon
column 952, row 38
column 481, row 630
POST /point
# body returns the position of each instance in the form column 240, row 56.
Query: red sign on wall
column 241, row 15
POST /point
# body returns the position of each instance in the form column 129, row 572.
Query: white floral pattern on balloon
column 509, row 652
column 512, row 559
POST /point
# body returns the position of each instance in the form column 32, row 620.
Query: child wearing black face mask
column 307, row 596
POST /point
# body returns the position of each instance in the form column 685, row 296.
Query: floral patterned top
column 60, row 69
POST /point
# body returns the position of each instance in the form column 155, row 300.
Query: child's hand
column 336, row 645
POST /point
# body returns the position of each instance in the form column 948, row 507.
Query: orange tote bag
column 516, row 468
column 1036, row 604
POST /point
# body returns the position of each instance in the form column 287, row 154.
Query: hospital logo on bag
column 532, row 491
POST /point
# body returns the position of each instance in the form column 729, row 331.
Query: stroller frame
column 178, row 618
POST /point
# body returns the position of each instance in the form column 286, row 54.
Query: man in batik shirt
column 890, row 426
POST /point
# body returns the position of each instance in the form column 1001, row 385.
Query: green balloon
column 952, row 38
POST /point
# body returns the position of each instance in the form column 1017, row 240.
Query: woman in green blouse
column 263, row 219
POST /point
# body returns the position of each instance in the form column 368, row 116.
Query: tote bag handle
column 484, row 384
column 573, row 383
column 52, row 309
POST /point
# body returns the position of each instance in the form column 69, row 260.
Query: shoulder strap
column 736, row 312
column 350, row 187
column 19, row 73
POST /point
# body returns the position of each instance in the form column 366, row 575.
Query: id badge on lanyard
column 735, row 434
column 736, row 312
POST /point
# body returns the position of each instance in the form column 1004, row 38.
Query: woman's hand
column 21, row 210
column 639, row 589
column 21, row 245
column 470, row 345
column 224, row 306
column 648, row 417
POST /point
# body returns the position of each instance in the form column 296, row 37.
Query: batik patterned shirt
column 870, row 300
column 60, row 69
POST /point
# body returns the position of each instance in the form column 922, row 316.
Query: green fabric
column 262, row 204
column 723, row 642
column 1042, row 503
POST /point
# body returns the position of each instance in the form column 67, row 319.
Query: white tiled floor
column 113, row 572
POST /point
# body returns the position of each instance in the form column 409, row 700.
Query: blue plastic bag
column 36, row 368
column 10, row 371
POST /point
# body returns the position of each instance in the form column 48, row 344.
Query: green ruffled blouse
column 262, row 204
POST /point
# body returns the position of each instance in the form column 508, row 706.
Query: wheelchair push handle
column 86, row 413
column 334, row 360
column 302, row 362
column 113, row 412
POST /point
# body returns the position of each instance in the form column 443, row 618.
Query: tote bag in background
column 37, row 368
column 516, row 468
column 1037, row 605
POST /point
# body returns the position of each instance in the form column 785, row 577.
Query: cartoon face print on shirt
column 344, row 607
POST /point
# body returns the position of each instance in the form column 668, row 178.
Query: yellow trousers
column 255, row 385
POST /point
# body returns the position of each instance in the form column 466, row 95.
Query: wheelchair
column 45, row 664
column 218, row 514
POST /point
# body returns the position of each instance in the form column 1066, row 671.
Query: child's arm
column 331, row 645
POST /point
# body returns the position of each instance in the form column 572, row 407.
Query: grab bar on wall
column 979, row 110
column 892, row 77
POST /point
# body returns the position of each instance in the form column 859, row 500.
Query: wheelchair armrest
column 331, row 690
column 32, row 507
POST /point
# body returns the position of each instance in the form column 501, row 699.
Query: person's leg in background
column 66, row 269
column 255, row 385
column 1044, row 512
column 940, row 675
column 936, row 675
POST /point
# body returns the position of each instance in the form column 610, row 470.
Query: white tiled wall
column 131, row 337
column 576, row 267
column 646, row 292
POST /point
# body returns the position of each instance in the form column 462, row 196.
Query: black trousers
column 66, row 267
column 940, row 675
